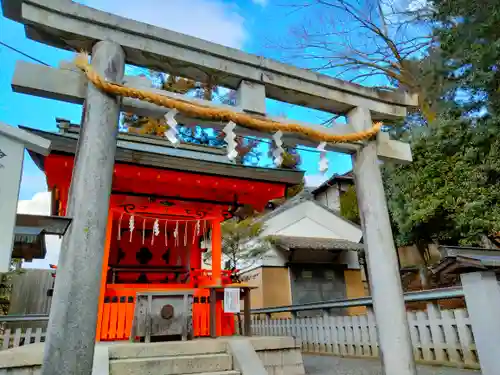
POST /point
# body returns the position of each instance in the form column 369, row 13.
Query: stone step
column 178, row 365
column 230, row 372
column 166, row 349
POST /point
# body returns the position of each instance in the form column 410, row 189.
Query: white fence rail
column 19, row 337
column 439, row 337
column 14, row 337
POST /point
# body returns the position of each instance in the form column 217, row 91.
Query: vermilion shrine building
column 166, row 205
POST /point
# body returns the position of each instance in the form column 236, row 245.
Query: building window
column 306, row 274
column 329, row 275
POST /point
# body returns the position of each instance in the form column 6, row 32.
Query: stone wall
column 279, row 355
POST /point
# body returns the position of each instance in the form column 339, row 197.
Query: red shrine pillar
column 216, row 252
column 105, row 262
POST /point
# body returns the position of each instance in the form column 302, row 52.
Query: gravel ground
column 326, row 365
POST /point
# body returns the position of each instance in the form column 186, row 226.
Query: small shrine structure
column 165, row 209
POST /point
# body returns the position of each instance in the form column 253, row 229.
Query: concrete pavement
column 329, row 365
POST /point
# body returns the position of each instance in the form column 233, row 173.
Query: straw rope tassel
column 204, row 232
column 120, row 227
column 196, row 231
column 185, row 233
column 143, row 230
column 216, row 114
column 166, row 238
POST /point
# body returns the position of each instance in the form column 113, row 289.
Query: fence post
column 482, row 296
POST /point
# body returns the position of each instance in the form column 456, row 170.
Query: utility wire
column 22, row 53
column 245, row 137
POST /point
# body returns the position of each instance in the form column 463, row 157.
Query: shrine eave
column 125, row 154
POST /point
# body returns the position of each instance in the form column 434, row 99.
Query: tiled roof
column 346, row 177
column 304, row 195
column 289, row 242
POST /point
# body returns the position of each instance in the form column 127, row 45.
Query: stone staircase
column 203, row 357
column 223, row 356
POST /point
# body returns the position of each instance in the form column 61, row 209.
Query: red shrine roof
column 150, row 170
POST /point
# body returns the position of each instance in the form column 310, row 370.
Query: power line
column 245, row 137
column 24, row 54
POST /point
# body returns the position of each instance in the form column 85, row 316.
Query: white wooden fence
column 439, row 337
column 19, row 337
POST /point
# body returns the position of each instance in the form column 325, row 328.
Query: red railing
column 119, row 304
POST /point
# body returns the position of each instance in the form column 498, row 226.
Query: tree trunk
column 423, row 272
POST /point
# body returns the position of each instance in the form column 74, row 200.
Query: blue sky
column 244, row 24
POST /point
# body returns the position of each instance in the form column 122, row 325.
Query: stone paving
column 326, row 365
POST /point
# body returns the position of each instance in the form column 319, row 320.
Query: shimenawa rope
column 216, row 114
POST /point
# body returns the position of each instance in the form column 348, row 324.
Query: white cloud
column 40, row 205
column 212, row 20
column 390, row 7
column 260, row 2
column 314, row 180
column 416, row 5
column 32, row 183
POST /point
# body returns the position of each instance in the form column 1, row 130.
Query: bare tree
column 380, row 43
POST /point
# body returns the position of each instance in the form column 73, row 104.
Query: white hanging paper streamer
column 230, row 139
column 120, row 227
column 172, row 132
column 196, row 231
column 176, row 234
column 143, row 230
column 323, row 160
column 156, row 231
column 278, row 151
column 131, row 226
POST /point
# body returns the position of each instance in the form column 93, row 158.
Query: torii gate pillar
column 385, row 282
column 69, row 348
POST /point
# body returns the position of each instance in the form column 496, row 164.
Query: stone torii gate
column 115, row 41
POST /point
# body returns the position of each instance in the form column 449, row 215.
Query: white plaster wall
column 306, row 227
column 322, row 198
column 330, row 198
column 11, row 164
column 310, row 220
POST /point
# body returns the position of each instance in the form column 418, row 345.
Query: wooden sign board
column 232, row 300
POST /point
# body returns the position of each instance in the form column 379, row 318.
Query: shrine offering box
column 163, row 316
